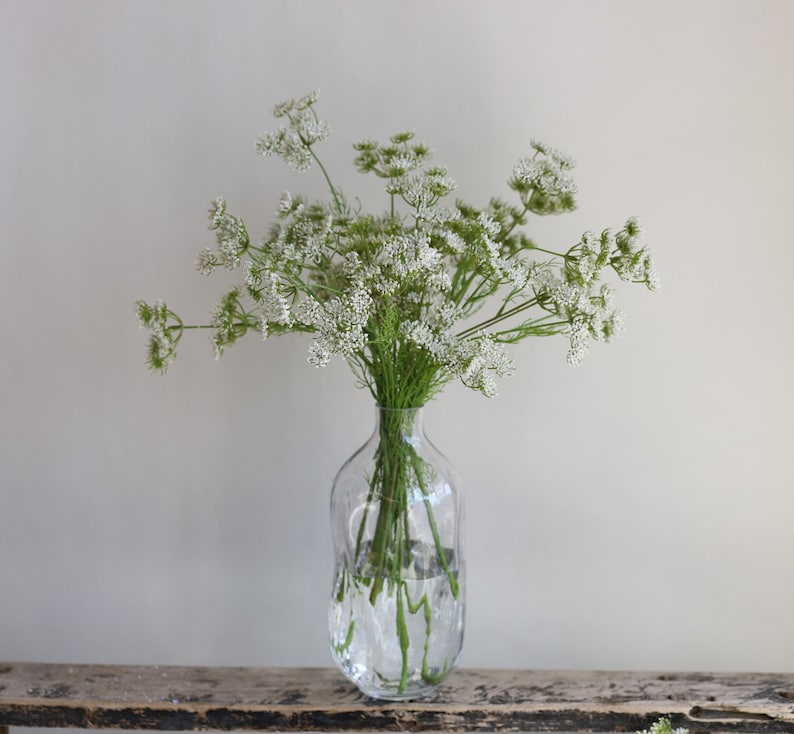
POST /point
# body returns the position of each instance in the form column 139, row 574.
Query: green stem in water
column 398, row 467
column 431, row 519
column 391, row 479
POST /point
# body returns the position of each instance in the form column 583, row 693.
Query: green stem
column 403, row 635
column 340, row 209
column 533, row 246
column 431, row 519
column 539, row 327
column 390, row 478
column 504, row 234
column 496, row 319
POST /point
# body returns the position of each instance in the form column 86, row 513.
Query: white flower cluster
column 293, row 142
column 546, row 177
column 231, row 236
column 224, row 322
column 585, row 261
column 634, row 263
column 411, row 259
column 476, row 361
column 508, row 269
column 589, row 315
column 339, row 325
column 161, row 348
column 267, row 290
column 393, row 161
column 305, row 236
column 592, row 256
column 422, row 191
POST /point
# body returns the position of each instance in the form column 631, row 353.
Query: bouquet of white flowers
column 394, row 293
column 425, row 292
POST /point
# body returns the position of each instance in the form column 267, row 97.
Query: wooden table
column 319, row 699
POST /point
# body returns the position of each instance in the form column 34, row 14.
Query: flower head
column 544, row 182
column 339, row 325
column 161, row 346
column 231, row 236
column 293, row 142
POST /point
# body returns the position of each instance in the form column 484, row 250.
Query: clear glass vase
column 396, row 612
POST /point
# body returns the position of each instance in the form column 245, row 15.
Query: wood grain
column 319, row 699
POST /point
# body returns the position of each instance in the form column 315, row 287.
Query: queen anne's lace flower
column 286, row 145
column 293, row 142
column 224, row 322
column 546, row 175
column 286, row 205
column 284, row 109
column 206, row 261
column 161, row 347
column 339, row 325
column 632, row 262
column 579, row 337
column 231, row 236
column 481, row 359
column 476, row 361
column 275, row 305
column 544, row 181
column 411, row 255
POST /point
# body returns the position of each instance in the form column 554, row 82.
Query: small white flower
column 488, row 224
column 561, row 159
column 664, row 726
column 206, row 261
column 287, row 145
column 438, row 182
column 580, row 342
column 216, row 211
column 285, row 204
column 319, row 355
column 307, row 100
column 309, row 129
column 517, row 273
column 400, row 165
column 634, row 227
column 412, row 254
column 275, row 307
column 549, row 179
column 652, row 278
column 454, row 241
column 283, row 109
column 339, row 324
column 486, row 359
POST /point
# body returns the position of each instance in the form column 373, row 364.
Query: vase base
column 382, row 690
column 411, row 695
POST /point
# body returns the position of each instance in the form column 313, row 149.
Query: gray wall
column 634, row 512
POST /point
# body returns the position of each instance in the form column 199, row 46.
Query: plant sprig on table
column 663, row 726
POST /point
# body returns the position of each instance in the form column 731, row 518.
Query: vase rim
column 404, row 410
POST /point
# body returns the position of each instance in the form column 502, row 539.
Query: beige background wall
column 632, row 513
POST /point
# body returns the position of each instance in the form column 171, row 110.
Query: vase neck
column 405, row 421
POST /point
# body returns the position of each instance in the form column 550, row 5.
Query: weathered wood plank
column 319, row 699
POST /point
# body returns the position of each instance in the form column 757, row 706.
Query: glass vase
column 396, row 612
